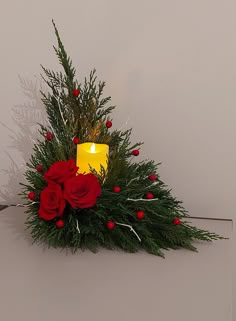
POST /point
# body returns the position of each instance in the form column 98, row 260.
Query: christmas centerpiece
column 85, row 186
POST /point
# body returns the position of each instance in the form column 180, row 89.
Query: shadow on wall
column 25, row 133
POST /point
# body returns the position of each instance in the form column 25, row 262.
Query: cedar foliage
column 85, row 117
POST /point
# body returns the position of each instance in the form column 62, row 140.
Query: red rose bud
column 149, row 196
column 108, row 124
column 135, row 152
column 76, row 140
column 31, row 196
column 75, row 92
column 116, row 189
column 110, row 225
column 176, row 221
column 152, row 177
column 39, row 168
column 140, row 215
column 49, row 136
column 60, row 223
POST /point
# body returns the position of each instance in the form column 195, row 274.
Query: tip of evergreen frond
column 54, row 25
column 56, row 31
column 57, row 34
column 64, row 59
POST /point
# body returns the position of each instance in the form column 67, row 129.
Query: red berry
column 149, row 196
column 49, row 136
column 116, row 189
column 140, row 215
column 75, row 92
column 110, row 225
column 31, row 196
column 152, row 177
column 108, row 124
column 135, row 152
column 39, row 168
column 60, row 223
column 76, row 140
column 176, row 221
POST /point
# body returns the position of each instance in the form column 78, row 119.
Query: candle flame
column 93, row 148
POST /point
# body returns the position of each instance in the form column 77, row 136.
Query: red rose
column 81, row 191
column 61, row 171
column 52, row 203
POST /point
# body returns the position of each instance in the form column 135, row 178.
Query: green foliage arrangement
column 124, row 206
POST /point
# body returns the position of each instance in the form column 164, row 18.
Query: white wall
column 170, row 67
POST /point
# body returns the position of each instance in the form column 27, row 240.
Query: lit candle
column 90, row 154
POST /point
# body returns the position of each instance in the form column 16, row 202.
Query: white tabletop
column 50, row 285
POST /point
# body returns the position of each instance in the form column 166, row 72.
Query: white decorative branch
column 142, row 199
column 37, row 146
column 77, row 226
column 133, row 179
column 137, row 178
column 59, row 104
column 54, row 133
column 23, row 205
column 153, row 184
column 131, row 229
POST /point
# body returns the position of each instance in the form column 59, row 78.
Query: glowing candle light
column 93, row 148
column 91, row 154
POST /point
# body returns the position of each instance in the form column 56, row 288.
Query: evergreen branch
column 64, row 59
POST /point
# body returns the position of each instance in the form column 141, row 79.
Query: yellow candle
column 91, row 154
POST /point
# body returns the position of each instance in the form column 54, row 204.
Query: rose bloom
column 81, row 191
column 61, row 171
column 52, row 203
